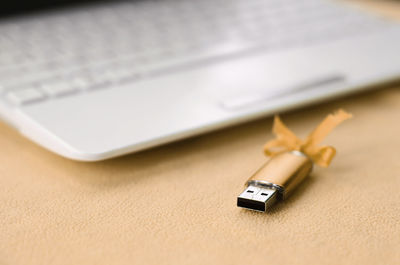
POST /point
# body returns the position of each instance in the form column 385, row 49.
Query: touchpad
column 247, row 98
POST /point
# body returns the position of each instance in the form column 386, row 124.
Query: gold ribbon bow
column 286, row 140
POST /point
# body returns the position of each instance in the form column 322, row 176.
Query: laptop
column 99, row 79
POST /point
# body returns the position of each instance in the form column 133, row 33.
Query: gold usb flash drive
column 275, row 180
column 290, row 164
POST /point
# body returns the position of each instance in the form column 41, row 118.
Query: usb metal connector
column 274, row 180
column 257, row 198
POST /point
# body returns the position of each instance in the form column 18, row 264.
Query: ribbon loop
column 286, row 140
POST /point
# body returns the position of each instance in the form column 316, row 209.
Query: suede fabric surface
column 176, row 204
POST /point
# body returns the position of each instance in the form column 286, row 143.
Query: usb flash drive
column 275, row 180
column 290, row 164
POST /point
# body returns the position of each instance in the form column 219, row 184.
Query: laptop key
column 56, row 89
column 89, row 82
column 25, row 96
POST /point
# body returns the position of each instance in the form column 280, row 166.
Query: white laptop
column 102, row 79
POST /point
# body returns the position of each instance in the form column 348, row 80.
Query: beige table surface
column 176, row 204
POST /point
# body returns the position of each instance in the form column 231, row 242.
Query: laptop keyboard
column 64, row 53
